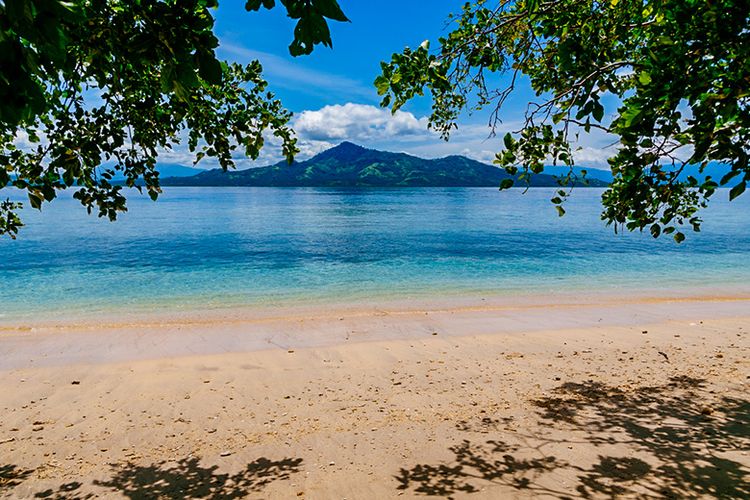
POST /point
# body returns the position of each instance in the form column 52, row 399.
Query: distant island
column 350, row 165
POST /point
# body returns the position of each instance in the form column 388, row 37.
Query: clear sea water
column 216, row 247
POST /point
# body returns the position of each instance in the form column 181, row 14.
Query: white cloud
column 358, row 122
column 594, row 156
column 308, row 149
column 483, row 155
column 22, row 142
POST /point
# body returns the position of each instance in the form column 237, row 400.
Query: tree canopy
column 678, row 71
column 97, row 87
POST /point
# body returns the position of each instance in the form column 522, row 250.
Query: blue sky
column 331, row 91
column 377, row 30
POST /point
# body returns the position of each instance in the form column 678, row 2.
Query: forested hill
column 350, row 165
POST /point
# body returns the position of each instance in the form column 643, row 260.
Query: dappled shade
column 11, row 476
column 67, row 491
column 670, row 424
column 492, row 461
column 678, row 446
column 187, row 478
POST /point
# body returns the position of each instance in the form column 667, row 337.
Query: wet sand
column 594, row 397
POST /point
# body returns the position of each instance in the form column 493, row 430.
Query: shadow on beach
column 11, row 476
column 183, row 479
column 592, row 440
column 676, row 447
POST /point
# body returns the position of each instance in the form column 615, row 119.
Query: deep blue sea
column 213, row 247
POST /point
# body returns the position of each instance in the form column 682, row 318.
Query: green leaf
column 252, row 5
column 630, row 115
column 330, row 9
column 557, row 117
column 598, row 112
column 35, row 201
column 506, row 184
column 679, row 237
column 729, row 176
column 167, row 77
column 382, row 84
column 737, row 190
column 186, row 76
column 209, row 68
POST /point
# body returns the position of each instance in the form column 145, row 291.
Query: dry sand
column 598, row 397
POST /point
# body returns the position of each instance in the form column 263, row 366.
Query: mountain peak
column 346, row 145
column 344, row 151
column 348, row 148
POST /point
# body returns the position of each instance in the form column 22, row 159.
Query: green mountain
column 349, row 165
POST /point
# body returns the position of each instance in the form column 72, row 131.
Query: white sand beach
column 559, row 397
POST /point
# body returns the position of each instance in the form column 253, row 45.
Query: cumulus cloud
column 358, row 122
column 594, row 156
column 476, row 142
column 308, row 149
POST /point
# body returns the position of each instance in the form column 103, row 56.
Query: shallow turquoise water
column 211, row 247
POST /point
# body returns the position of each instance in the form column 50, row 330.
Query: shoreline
column 181, row 314
column 213, row 332
column 194, row 311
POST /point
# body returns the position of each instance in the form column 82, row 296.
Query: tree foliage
column 679, row 71
column 97, row 87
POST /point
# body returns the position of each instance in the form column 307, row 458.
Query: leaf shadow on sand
column 473, row 467
column 67, row 491
column 11, row 476
column 677, row 447
column 186, row 478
